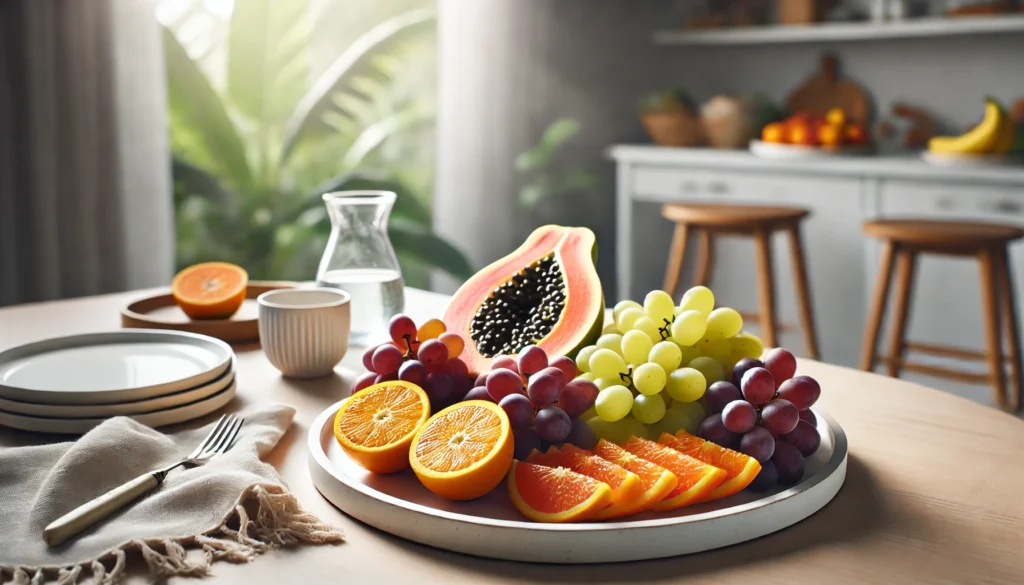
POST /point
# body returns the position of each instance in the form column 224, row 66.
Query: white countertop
column 881, row 166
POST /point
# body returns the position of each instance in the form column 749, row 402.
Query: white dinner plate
column 158, row 418
column 490, row 526
column 776, row 151
column 111, row 367
column 123, row 408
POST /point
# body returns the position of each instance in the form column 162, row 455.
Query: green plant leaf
column 198, row 118
column 376, row 134
column 540, row 155
column 414, row 241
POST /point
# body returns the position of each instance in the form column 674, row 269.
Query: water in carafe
column 377, row 295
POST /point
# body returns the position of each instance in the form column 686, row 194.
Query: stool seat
column 705, row 214
column 925, row 232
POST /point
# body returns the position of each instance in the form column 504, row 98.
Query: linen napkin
column 233, row 508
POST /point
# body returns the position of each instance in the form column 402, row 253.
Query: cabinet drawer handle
column 688, row 187
column 1007, row 207
column 718, row 187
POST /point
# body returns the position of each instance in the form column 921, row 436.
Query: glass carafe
column 359, row 259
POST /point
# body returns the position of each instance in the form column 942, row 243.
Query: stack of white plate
column 71, row 384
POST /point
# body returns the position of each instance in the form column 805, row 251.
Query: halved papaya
column 546, row 293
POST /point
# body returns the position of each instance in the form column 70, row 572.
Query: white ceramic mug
column 304, row 331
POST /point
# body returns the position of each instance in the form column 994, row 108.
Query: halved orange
column 627, row 489
column 696, row 478
column 213, row 290
column 555, row 494
column 376, row 426
column 741, row 469
column 464, row 451
column 657, row 481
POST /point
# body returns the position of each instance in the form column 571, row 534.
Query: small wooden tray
column 161, row 312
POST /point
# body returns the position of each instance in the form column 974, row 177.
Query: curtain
column 85, row 188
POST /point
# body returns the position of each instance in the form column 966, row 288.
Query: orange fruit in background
column 555, row 494
column 741, row 469
column 464, row 451
column 657, row 481
column 213, row 290
column 376, row 426
column 627, row 489
column 799, row 132
column 774, row 132
column 696, row 479
column 830, row 135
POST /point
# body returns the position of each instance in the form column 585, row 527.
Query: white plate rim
column 158, row 418
column 779, row 151
column 830, row 479
column 109, row 337
column 80, row 411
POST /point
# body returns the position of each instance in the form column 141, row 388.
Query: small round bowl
column 304, row 331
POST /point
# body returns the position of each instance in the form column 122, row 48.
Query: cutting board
column 824, row 91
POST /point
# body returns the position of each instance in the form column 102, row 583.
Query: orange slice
column 213, row 290
column 464, row 451
column 627, row 489
column 657, row 481
column 696, row 478
column 376, row 426
column 555, row 494
column 741, row 469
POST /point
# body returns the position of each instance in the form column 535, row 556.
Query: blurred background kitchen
column 138, row 137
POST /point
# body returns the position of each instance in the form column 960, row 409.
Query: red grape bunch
column 542, row 398
column 764, row 413
column 427, row 357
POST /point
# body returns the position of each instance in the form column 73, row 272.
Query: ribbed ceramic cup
column 304, row 331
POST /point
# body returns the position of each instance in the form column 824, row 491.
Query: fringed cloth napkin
column 233, row 508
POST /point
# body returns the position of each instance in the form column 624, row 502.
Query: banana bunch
column 994, row 135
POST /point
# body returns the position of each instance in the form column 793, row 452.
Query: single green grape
column 603, row 383
column 689, row 352
column 711, row 369
column 591, row 376
column 686, row 384
column 648, row 326
column 622, row 306
column 698, row 298
column 583, row 357
column 613, row 403
column 648, row 409
column 723, row 323
column 605, row 363
column 617, row 432
column 746, row 345
column 675, row 418
column 612, row 341
column 718, row 349
column 649, row 379
column 688, row 328
column 627, row 318
column 659, row 306
column 636, row 346
column 695, row 412
column 666, row 354
column 610, row 328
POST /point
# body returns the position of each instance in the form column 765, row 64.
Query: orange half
column 657, row 481
column 627, row 489
column 555, row 494
column 464, row 451
column 213, row 290
column 696, row 478
column 741, row 469
column 375, row 427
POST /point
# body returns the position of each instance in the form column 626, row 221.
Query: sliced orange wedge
column 627, row 489
column 212, row 290
column 555, row 494
column 696, row 478
column 376, row 426
column 657, row 481
column 741, row 469
column 464, row 451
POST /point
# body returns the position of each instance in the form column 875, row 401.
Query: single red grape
column 368, row 358
column 506, row 362
column 719, row 394
column 518, row 409
column 402, row 328
column 526, row 440
column 758, row 443
column 804, row 437
column 554, row 372
column 808, row 415
column 581, row 435
column 567, row 365
column 552, row 424
column 788, row 462
column 433, row 353
column 739, row 416
column 364, row 381
column 543, row 389
column 501, row 383
column 481, row 380
column 781, row 364
column 478, row 393
column 413, row 371
column 741, row 368
column 386, row 359
column 779, row 416
column 766, row 479
column 802, row 391
column 578, row 396
column 713, row 430
column 532, row 359
column 439, row 387
column 757, row 386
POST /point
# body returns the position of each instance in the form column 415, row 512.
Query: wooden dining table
column 934, row 490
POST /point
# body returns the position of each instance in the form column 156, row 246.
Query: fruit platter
column 527, row 424
column 807, row 135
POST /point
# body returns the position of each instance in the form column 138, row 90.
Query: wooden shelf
column 845, row 31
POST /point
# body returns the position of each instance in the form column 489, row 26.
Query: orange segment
column 741, row 469
column 657, row 481
column 627, row 489
column 555, row 494
column 696, row 478
column 213, row 290
column 464, row 451
column 376, row 426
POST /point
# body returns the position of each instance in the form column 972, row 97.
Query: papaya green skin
column 595, row 329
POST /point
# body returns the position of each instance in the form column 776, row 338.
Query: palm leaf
column 373, row 136
column 413, row 241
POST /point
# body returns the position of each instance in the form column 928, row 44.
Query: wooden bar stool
column 759, row 223
column 903, row 240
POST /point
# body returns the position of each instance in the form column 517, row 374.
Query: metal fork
column 218, row 441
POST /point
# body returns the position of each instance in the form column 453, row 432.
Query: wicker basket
column 673, row 128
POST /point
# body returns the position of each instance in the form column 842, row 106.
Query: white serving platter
column 491, row 526
column 775, row 151
column 111, row 367
column 158, row 418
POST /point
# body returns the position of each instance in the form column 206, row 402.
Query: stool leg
column 705, row 259
column 765, row 285
column 987, row 260
column 803, row 295
column 1012, row 330
column 676, row 253
column 869, row 349
column 904, row 288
